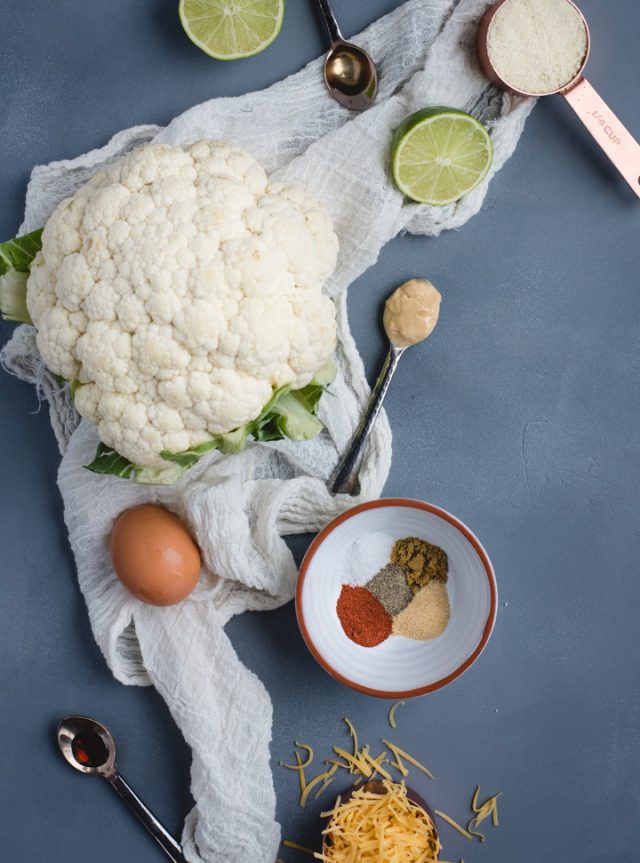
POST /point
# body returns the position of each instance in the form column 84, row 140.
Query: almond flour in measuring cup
column 537, row 46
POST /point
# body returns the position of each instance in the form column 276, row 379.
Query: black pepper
column 391, row 589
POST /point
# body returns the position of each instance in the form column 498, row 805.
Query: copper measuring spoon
column 349, row 72
column 89, row 747
column 607, row 130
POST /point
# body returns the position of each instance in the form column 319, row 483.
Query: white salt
column 366, row 556
column 537, row 46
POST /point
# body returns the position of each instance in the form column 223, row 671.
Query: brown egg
column 154, row 555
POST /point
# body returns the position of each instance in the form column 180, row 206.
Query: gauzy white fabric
column 240, row 507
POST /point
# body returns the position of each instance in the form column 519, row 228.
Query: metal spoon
column 419, row 300
column 349, row 72
column 89, row 747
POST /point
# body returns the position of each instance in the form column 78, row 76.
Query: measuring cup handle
column 607, row 130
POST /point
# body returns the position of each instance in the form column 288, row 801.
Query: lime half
column 438, row 155
column 231, row 29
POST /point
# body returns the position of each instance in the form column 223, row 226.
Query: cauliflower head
column 179, row 290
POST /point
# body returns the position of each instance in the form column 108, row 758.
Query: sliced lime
column 230, row 29
column 438, row 155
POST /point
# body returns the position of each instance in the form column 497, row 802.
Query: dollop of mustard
column 411, row 312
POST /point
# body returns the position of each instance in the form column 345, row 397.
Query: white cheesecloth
column 240, row 507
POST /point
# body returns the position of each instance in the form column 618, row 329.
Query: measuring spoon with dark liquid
column 89, row 747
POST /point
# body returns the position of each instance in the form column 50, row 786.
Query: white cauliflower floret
column 179, row 289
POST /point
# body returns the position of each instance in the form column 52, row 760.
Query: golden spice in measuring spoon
column 410, row 316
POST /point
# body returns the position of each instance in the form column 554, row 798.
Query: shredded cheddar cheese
column 453, row 824
column 327, row 781
column 309, row 750
column 354, row 735
column 356, row 762
column 400, row 755
column 475, row 833
column 392, row 713
column 296, row 847
column 301, row 776
column 360, row 763
column 371, row 828
column 363, row 829
column 376, row 765
column 317, row 780
column 487, row 809
column 300, row 766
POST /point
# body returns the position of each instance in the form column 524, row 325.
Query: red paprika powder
column 363, row 616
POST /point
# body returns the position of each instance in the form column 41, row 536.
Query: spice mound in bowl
column 363, row 617
column 396, row 598
column 407, row 596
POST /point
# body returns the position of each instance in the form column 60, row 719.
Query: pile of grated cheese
column 360, row 763
column 385, row 827
column 371, row 827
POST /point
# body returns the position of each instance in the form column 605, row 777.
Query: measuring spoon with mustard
column 410, row 316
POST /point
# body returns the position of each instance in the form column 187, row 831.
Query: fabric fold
column 239, row 799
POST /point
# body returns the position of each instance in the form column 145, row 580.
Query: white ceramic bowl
column 399, row 667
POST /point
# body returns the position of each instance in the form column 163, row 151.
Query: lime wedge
column 230, row 29
column 438, row 155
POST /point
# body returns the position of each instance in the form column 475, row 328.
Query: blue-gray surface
column 521, row 416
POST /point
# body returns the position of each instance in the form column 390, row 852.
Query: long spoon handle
column 166, row 841
column 344, row 479
column 330, row 20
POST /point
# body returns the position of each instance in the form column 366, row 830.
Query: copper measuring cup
column 607, row 130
